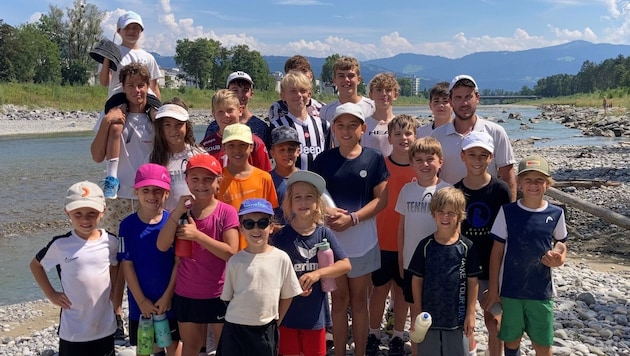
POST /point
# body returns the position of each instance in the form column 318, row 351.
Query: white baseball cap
column 128, row 18
column 478, row 139
column 85, row 195
column 460, row 78
column 173, row 111
column 238, row 75
column 349, row 108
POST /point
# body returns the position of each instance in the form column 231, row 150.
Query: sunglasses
column 249, row 224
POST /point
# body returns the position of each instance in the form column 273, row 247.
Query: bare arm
column 164, row 303
column 104, row 76
column 167, row 233
column 416, row 308
column 472, row 285
column 375, row 205
column 283, row 306
column 155, row 88
column 222, row 249
column 496, row 257
column 57, row 298
column 335, row 270
column 506, row 173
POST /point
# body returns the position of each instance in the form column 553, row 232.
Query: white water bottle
column 421, row 326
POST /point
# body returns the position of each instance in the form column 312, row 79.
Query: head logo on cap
column 206, row 162
column 86, row 192
column 152, row 174
column 85, row 195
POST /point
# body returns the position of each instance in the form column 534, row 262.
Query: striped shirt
column 312, row 133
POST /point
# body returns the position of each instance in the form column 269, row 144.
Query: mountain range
column 507, row 70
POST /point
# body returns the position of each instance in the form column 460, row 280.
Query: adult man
column 464, row 98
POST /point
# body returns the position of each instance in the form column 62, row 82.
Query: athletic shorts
column 406, row 287
column 302, row 342
column 535, row 317
column 115, row 211
column 133, row 331
column 444, row 342
column 389, row 270
column 100, row 347
column 200, row 311
column 365, row 264
column 239, row 339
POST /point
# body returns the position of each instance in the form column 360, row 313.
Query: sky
column 365, row 29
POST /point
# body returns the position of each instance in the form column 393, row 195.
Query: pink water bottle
column 183, row 248
column 326, row 258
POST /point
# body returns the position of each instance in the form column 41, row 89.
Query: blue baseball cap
column 255, row 206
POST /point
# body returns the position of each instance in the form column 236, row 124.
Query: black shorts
column 100, row 347
column 133, row 331
column 200, row 311
column 406, row 287
column 388, row 271
column 246, row 340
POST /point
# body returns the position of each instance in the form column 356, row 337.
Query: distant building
column 415, row 85
column 277, row 76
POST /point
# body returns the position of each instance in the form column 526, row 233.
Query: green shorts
column 535, row 317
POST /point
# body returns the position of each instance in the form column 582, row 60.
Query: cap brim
column 154, row 182
column 533, row 170
column 485, row 147
column 255, row 210
column 85, row 204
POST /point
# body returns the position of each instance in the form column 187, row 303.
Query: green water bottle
column 145, row 336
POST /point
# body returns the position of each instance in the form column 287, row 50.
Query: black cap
column 107, row 49
column 283, row 134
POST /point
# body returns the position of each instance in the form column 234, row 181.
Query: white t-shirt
column 176, row 168
column 376, row 136
column 413, row 203
column 328, row 111
column 453, row 168
column 129, row 56
column 254, row 284
column 86, row 281
column 135, row 148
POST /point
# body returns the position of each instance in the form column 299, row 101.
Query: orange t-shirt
column 387, row 219
column 234, row 191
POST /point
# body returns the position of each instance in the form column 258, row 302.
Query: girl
column 174, row 144
column 303, row 331
column 212, row 228
column 149, row 272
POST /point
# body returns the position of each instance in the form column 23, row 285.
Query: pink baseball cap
column 152, row 174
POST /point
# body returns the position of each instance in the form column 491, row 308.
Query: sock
column 511, row 352
column 111, row 167
column 376, row 332
column 397, row 334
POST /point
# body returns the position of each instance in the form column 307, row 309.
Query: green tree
column 8, row 44
column 327, row 68
column 197, row 58
column 252, row 63
column 405, row 86
column 39, row 57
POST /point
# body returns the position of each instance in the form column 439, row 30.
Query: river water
column 36, row 170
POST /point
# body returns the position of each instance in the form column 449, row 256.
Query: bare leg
column 192, row 337
column 340, row 303
column 495, row 346
column 359, row 288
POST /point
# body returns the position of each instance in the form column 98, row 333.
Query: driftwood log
column 603, row 213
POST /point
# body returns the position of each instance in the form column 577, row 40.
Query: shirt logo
column 363, row 173
column 549, row 218
column 68, row 259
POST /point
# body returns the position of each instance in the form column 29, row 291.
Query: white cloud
column 35, row 17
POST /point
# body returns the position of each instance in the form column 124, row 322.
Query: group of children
column 350, row 174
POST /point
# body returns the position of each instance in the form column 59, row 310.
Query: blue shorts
column 365, row 264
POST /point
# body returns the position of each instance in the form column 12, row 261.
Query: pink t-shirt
column 202, row 275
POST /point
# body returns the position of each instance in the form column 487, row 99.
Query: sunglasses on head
column 249, row 224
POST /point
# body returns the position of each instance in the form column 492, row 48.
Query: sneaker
column 120, row 329
column 389, row 325
column 373, row 344
column 110, row 187
column 396, row 347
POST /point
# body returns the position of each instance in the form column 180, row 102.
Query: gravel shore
column 593, row 303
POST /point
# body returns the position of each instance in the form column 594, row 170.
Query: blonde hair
column 449, row 196
column 346, row 63
column 428, row 145
column 384, row 81
column 296, row 79
column 287, row 204
column 402, row 122
column 224, row 97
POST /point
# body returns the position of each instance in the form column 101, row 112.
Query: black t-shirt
column 482, row 207
column 445, row 270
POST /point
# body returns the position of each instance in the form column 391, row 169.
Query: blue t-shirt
column 308, row 313
column 445, row 270
column 152, row 266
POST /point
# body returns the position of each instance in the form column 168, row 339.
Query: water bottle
column 421, row 326
column 162, row 330
column 183, row 248
column 326, row 258
column 145, row 336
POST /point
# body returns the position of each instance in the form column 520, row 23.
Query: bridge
column 510, row 98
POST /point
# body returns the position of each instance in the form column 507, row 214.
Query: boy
column 520, row 279
column 259, row 286
column 485, row 195
column 295, row 89
column 149, row 272
column 445, row 269
column 226, row 110
column 285, row 150
column 346, row 77
column 383, row 91
column 300, row 64
column 415, row 220
column 241, row 180
column 242, row 85
column 86, row 264
column 440, row 108
column 401, row 133
column 356, row 178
